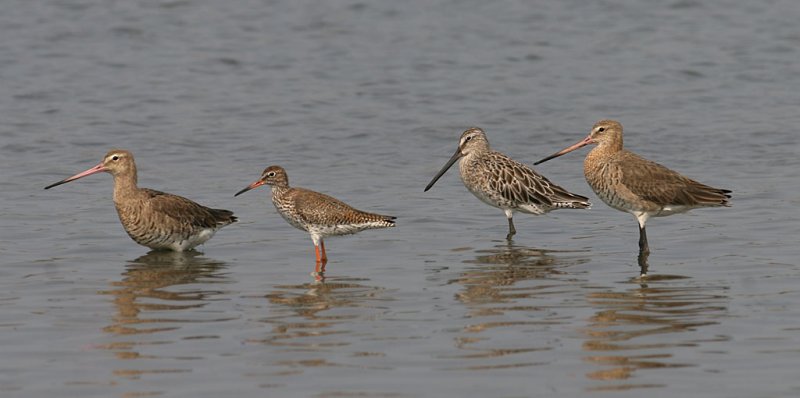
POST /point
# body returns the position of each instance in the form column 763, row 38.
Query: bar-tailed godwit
column 502, row 182
column 152, row 218
column 630, row 183
column 318, row 214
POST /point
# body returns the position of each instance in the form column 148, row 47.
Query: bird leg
column 643, row 247
column 644, row 251
column 316, row 252
column 322, row 258
column 511, row 230
column 324, row 255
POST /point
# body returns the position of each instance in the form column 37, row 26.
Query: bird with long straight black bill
column 628, row 182
column 504, row 183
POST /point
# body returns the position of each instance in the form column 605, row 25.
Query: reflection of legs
column 511, row 230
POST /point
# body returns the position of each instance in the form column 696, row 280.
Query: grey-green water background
column 365, row 101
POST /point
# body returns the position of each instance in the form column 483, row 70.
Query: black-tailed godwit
column 152, row 218
column 630, row 183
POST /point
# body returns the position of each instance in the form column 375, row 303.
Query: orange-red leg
column 316, row 252
column 322, row 259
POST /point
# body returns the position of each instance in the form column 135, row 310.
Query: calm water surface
column 365, row 101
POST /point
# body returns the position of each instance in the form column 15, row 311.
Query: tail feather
column 572, row 201
column 713, row 197
column 223, row 217
column 388, row 220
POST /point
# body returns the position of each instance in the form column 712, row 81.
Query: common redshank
column 318, row 214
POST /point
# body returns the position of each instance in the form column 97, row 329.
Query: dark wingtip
column 224, row 216
column 727, row 194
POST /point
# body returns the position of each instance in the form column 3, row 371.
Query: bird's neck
column 472, row 157
column 605, row 149
column 279, row 190
column 124, row 186
column 598, row 158
column 613, row 145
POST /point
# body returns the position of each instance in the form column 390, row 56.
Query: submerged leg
column 511, row 230
column 324, row 255
column 319, row 268
column 644, row 248
column 319, row 251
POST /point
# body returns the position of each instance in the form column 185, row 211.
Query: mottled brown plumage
column 630, row 183
column 318, row 214
column 153, row 218
column 502, row 182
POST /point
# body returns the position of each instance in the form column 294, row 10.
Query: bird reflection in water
column 144, row 305
column 642, row 328
column 500, row 268
column 508, row 293
column 310, row 319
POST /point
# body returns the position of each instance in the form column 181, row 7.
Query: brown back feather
column 662, row 186
column 185, row 210
column 320, row 209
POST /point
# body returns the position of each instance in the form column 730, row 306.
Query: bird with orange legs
column 628, row 182
column 318, row 214
column 155, row 219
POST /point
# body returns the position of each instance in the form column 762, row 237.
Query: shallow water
column 365, row 102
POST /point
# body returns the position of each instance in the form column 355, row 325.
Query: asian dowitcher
column 318, row 214
column 502, row 182
column 152, row 218
column 628, row 182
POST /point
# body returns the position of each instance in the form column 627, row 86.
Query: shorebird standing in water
column 318, row 214
column 630, row 183
column 502, row 182
column 155, row 219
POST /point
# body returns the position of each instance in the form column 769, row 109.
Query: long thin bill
column 579, row 144
column 444, row 169
column 96, row 169
column 249, row 187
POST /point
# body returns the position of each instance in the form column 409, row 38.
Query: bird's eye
column 469, row 137
column 115, row 157
column 271, row 174
column 601, row 129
